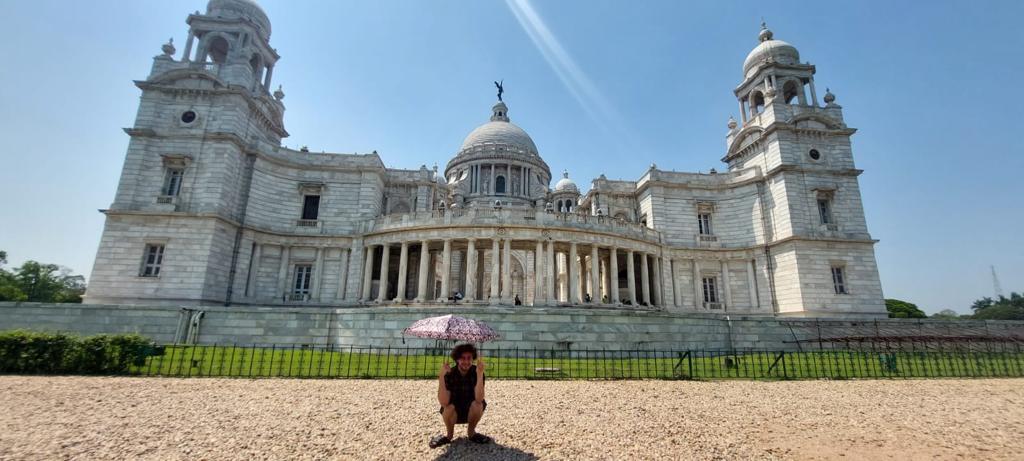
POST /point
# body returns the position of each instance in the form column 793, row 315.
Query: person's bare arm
column 478, row 391
column 443, row 394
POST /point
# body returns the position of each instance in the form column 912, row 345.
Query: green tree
column 1011, row 308
column 38, row 282
column 903, row 310
column 945, row 314
column 9, row 290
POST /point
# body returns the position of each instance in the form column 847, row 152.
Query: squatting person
column 461, row 395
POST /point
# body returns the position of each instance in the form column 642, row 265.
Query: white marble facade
column 211, row 209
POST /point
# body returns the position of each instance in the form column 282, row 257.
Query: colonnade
column 500, row 271
column 559, row 272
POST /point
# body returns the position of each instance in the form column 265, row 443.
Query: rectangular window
column 172, row 182
column 151, row 261
column 310, row 207
column 839, row 281
column 710, row 292
column 825, row 210
column 704, row 223
column 303, row 274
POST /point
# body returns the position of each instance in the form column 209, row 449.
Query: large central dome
column 500, row 133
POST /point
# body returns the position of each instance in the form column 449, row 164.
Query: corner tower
column 202, row 121
column 819, row 256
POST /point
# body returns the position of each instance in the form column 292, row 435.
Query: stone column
column 343, row 279
column 584, row 276
column 645, row 278
column 471, row 271
column 677, row 292
column 725, row 282
column 187, row 56
column 755, row 303
column 698, row 291
column 495, row 267
column 506, row 268
column 570, row 267
column 549, row 271
column 267, row 78
column 282, row 273
column 318, row 272
column 403, row 272
column 446, row 269
column 382, row 288
column 659, row 280
column 613, row 272
column 254, row 267
column 421, row 287
column 595, row 275
column 538, row 274
column 814, row 94
column 368, row 274
column 492, row 189
column 630, row 277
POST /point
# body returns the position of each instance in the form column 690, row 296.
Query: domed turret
column 566, row 184
column 769, row 50
column 245, row 9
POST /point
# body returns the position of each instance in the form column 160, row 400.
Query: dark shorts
column 462, row 410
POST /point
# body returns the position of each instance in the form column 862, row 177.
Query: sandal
column 480, row 438
column 439, row 440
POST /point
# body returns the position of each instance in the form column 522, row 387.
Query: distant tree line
column 986, row 308
column 38, row 282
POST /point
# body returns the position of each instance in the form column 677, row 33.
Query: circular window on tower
column 188, row 117
column 815, row 155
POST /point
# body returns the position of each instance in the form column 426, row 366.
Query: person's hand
column 480, row 365
column 445, row 368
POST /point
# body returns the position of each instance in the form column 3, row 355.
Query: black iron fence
column 306, row 361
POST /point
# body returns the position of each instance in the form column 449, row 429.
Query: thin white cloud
column 574, row 79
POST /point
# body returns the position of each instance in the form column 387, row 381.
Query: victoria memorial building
column 211, row 209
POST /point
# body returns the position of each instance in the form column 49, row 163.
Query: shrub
column 34, row 352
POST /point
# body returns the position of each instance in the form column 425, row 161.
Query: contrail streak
column 574, row 79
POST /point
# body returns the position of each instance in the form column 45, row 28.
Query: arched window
column 789, row 92
column 560, row 207
column 218, row 50
column 499, row 185
column 756, row 103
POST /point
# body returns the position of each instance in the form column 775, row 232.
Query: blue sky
column 602, row 87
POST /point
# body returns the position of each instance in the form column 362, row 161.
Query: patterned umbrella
column 449, row 327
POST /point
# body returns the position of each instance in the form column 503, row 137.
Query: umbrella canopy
column 450, row 327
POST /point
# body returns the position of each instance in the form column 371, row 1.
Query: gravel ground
column 163, row 418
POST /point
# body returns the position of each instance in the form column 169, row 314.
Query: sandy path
column 91, row 418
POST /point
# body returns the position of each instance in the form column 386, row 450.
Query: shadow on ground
column 462, row 448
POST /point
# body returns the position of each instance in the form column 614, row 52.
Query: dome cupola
column 499, row 133
column 243, row 9
column 769, row 50
column 498, row 161
column 565, row 184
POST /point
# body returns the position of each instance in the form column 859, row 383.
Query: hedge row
column 58, row 353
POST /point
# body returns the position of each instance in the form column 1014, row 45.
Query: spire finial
column 829, row 97
column 766, row 34
column 565, row 173
column 168, row 48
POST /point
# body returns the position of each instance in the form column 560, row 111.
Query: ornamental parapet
column 504, row 217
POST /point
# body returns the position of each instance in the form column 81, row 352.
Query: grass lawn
column 343, row 362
